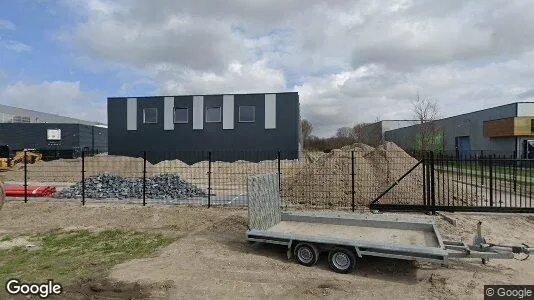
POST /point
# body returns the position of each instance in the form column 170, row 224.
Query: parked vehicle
column 348, row 237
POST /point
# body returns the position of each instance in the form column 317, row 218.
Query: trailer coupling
column 484, row 250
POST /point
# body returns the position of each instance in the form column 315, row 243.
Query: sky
column 351, row 61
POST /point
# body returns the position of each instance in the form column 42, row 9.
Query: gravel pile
column 105, row 186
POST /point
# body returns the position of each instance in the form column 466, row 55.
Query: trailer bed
column 394, row 237
column 407, row 237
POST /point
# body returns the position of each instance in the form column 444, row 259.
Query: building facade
column 52, row 135
column 54, row 140
column 503, row 130
column 249, row 127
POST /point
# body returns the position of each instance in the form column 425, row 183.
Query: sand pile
column 328, row 180
column 70, row 170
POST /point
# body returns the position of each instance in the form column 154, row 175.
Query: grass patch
column 67, row 256
column 496, row 169
column 6, row 238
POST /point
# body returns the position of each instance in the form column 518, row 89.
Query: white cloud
column 14, row 45
column 351, row 61
column 237, row 78
column 6, row 25
column 58, row 97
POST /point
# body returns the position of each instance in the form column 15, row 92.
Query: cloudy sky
column 351, row 61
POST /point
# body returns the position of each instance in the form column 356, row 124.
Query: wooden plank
column 502, row 127
column 518, row 126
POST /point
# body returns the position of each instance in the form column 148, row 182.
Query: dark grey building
column 54, row 140
column 503, row 130
column 233, row 127
column 52, row 135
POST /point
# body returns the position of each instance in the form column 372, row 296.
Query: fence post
column 353, row 192
column 515, row 161
column 25, row 176
column 481, row 162
column 83, row 177
column 428, row 179
column 490, row 161
column 144, row 178
column 209, row 179
column 425, row 183
column 279, row 174
column 432, row 182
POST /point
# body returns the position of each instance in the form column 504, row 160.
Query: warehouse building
column 52, row 135
column 374, row 134
column 250, row 127
column 503, row 130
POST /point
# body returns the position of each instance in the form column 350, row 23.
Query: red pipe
column 35, row 191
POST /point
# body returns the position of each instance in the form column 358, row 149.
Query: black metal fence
column 383, row 178
column 492, row 183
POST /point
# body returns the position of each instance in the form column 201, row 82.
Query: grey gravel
column 109, row 186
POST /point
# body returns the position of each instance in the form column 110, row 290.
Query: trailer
column 346, row 237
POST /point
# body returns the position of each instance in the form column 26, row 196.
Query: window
column 181, row 115
column 53, row 134
column 532, row 126
column 150, row 115
column 21, row 119
column 246, row 114
column 213, row 114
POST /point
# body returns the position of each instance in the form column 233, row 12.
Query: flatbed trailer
column 347, row 237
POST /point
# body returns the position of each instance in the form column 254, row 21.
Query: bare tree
column 307, row 129
column 358, row 132
column 426, row 112
column 344, row 132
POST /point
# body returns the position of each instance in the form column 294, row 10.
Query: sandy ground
column 212, row 260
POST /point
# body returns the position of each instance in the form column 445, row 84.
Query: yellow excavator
column 6, row 163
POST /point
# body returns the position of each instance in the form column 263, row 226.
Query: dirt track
column 211, row 260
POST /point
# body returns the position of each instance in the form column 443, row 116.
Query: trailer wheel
column 341, row 260
column 306, row 254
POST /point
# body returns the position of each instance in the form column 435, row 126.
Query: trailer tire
column 306, row 254
column 341, row 260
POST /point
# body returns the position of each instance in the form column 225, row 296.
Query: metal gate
column 469, row 183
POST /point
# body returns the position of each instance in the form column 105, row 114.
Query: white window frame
column 220, row 114
column 253, row 114
column 144, row 115
column 186, row 115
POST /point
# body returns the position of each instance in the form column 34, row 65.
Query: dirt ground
column 212, row 260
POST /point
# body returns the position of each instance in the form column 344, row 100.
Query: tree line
column 424, row 110
column 344, row 136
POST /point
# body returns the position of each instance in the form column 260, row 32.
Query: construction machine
column 32, row 156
